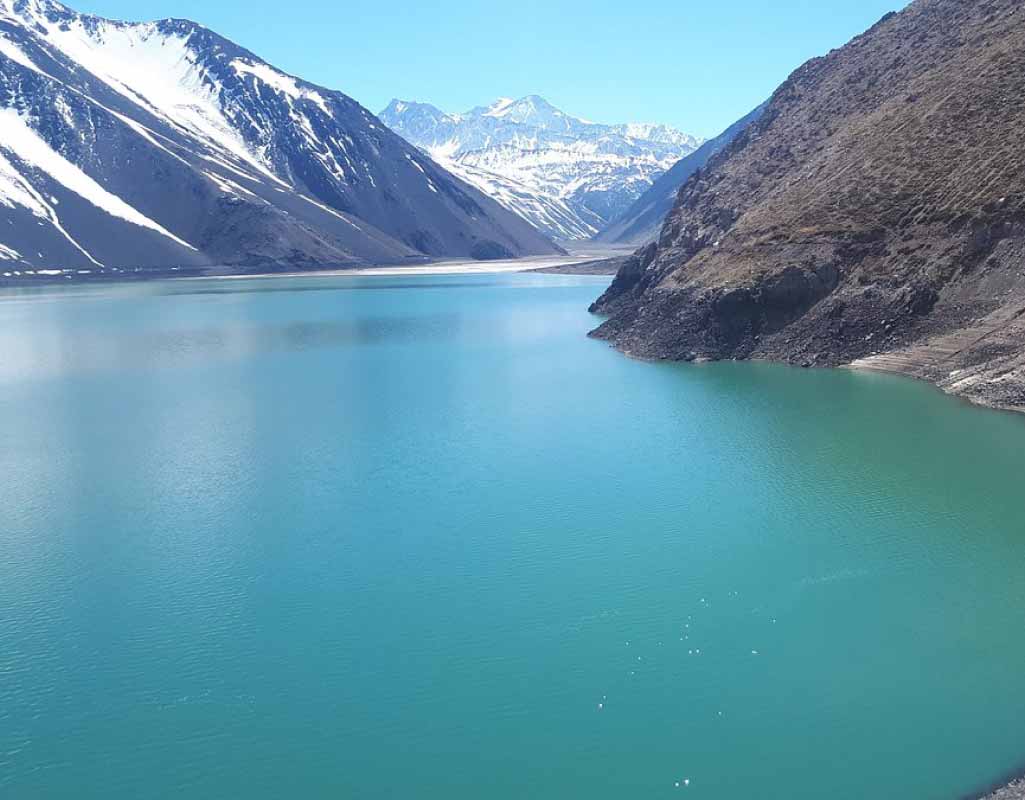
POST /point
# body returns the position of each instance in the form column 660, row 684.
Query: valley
column 505, row 452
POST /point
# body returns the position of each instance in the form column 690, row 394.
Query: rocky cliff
column 874, row 215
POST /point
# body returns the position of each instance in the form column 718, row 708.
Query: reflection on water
column 50, row 333
column 68, row 351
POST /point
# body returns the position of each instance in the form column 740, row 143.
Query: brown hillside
column 875, row 214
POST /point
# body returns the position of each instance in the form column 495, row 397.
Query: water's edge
column 1011, row 787
column 970, row 400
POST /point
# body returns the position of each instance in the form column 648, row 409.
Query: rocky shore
column 873, row 217
column 1013, row 791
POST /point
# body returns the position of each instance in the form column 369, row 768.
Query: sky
column 697, row 66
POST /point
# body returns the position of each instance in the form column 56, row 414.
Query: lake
column 421, row 538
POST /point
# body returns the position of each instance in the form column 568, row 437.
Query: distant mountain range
column 160, row 145
column 568, row 177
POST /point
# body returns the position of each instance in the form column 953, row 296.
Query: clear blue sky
column 696, row 65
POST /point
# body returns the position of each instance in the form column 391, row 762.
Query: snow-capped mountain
column 159, row 144
column 567, row 176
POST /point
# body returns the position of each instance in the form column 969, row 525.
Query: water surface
column 420, row 538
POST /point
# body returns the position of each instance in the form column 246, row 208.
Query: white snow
column 62, row 106
column 280, row 82
column 330, row 211
column 415, row 163
column 17, row 137
column 539, row 161
column 13, row 52
column 545, row 211
column 9, row 253
column 500, row 107
column 230, row 187
column 145, row 133
column 15, row 190
column 158, row 72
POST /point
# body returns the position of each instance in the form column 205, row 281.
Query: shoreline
column 977, row 402
column 583, row 263
column 453, row 267
column 603, row 266
column 1011, row 785
column 973, row 401
column 1007, row 789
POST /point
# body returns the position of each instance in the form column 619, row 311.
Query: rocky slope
column 567, row 176
column 1013, row 791
column 642, row 221
column 160, row 145
column 874, row 215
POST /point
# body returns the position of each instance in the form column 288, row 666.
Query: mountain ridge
column 244, row 165
column 567, row 176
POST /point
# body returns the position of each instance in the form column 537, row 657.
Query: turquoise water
column 420, row 538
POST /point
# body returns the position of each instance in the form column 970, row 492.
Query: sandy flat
column 460, row 267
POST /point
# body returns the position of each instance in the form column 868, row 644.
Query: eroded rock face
column 876, row 208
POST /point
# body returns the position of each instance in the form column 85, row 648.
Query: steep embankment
column 874, row 215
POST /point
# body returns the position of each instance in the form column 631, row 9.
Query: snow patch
column 228, row 186
column 159, row 72
column 552, row 169
column 21, row 140
column 13, row 52
column 331, row 211
column 415, row 163
column 500, row 107
column 15, row 190
column 280, row 82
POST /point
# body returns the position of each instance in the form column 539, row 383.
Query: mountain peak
column 397, row 106
column 500, row 107
column 530, row 109
column 567, row 176
column 133, row 141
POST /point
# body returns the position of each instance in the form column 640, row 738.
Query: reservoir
column 419, row 537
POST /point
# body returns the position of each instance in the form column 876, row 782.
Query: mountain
column 642, row 221
column 567, row 176
column 874, row 214
column 162, row 145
